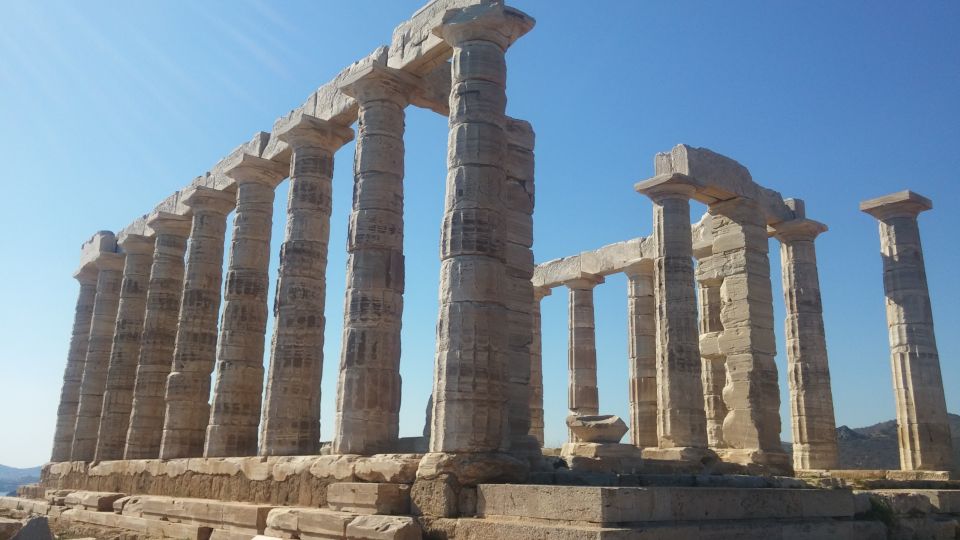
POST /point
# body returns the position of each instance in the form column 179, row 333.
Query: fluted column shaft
column 121, row 373
column 922, row 424
column 164, row 292
column 748, row 343
column 536, row 366
column 188, row 385
column 291, row 413
column 714, row 368
column 642, row 351
column 73, row 373
column 681, row 421
column 238, row 390
column 582, row 396
column 369, row 384
column 99, row 344
column 470, row 381
column 808, row 373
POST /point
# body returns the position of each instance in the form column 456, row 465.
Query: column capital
column 136, row 244
column 376, row 82
column 209, row 199
column 109, row 261
column 168, row 223
column 900, row 204
column 250, row 168
column 668, row 186
column 798, row 230
column 304, row 130
column 643, row 267
column 495, row 23
column 584, row 281
column 87, row 275
column 540, row 292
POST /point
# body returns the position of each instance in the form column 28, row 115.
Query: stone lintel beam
column 901, row 204
column 607, row 260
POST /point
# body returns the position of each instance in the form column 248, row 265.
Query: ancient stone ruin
column 161, row 430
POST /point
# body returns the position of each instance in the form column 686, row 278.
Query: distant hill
column 12, row 477
column 876, row 447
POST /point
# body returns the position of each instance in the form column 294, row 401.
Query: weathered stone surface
column 188, row 385
column 99, row 344
column 607, row 428
column 369, row 498
column 470, row 469
column 159, row 336
column 607, row 260
column 536, row 366
column 92, row 500
column 291, row 415
column 73, row 372
column 125, row 351
column 582, row 396
column 681, row 422
column 811, row 401
column 642, row 351
column 368, row 385
column 9, row 527
column 924, row 432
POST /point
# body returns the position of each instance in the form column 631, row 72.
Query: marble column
column 713, row 362
column 808, row 372
column 99, row 344
column 122, row 369
column 238, row 391
column 188, row 385
column 470, row 381
column 582, row 396
column 291, row 412
column 642, row 351
column 748, row 342
column 922, row 423
column 73, row 373
column 368, row 384
column 681, row 422
column 536, row 366
column 164, row 293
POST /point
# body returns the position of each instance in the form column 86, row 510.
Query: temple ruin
column 169, row 425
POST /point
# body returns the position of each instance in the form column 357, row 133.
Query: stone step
column 369, row 498
column 98, row 501
column 609, row 505
column 247, row 518
column 151, row 528
column 323, row 523
column 504, row 528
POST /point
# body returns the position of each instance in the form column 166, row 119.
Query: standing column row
column 291, row 412
column 157, row 341
column 118, row 392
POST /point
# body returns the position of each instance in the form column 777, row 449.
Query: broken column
column 369, row 385
column 99, row 344
column 73, row 373
column 582, row 396
column 751, row 428
column 713, row 361
column 924, row 431
column 159, row 335
column 808, row 373
column 122, row 369
column 188, row 385
column 536, row 366
column 291, row 412
column 237, row 393
column 470, row 398
column 681, row 423
column 642, row 351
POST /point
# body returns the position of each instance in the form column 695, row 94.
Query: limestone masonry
column 169, row 425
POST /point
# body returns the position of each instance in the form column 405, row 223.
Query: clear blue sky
column 108, row 107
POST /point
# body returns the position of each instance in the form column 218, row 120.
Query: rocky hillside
column 11, row 477
column 875, row 447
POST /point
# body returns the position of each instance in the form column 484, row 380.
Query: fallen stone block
column 369, row 498
column 384, row 528
column 92, row 500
